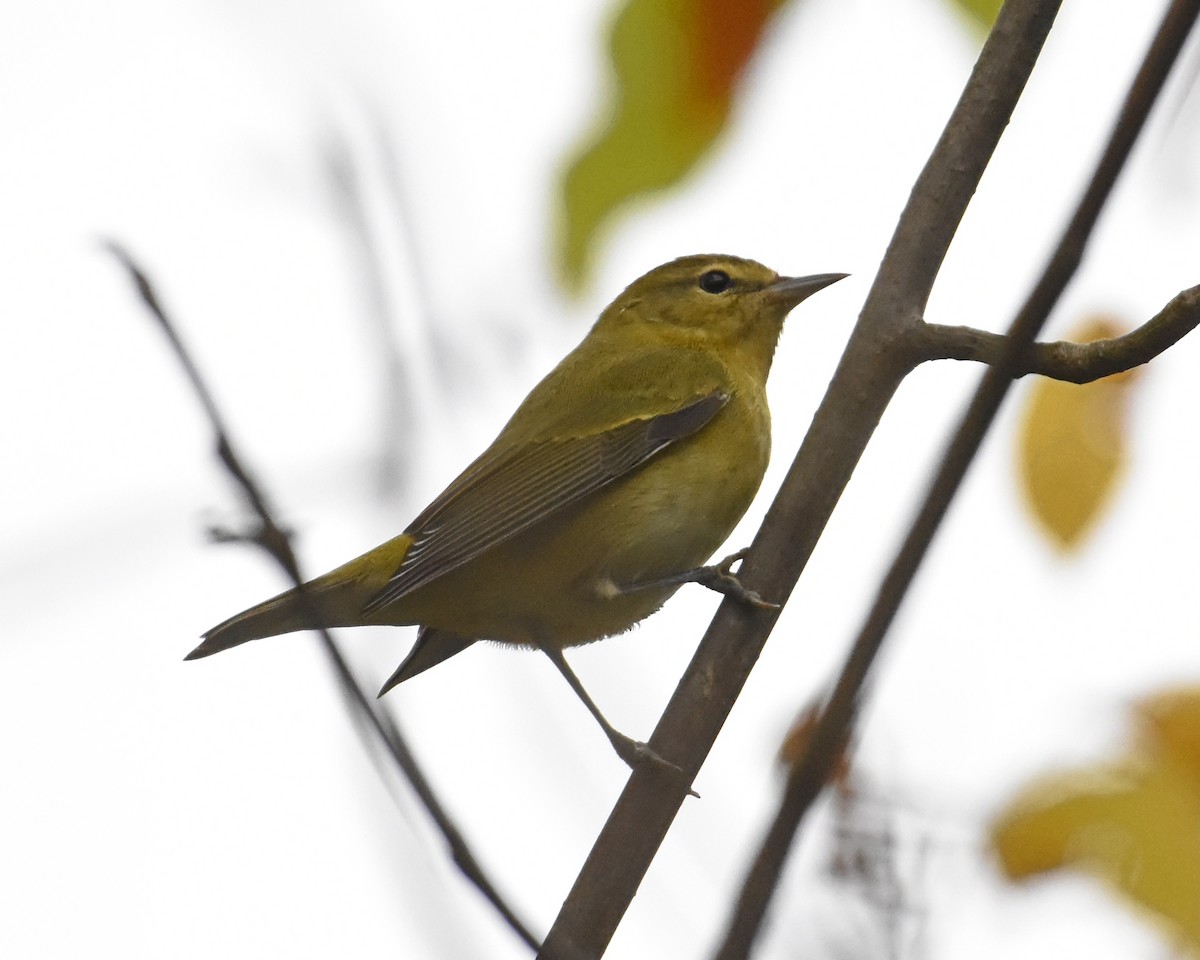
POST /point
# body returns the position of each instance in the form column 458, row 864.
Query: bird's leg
column 717, row 576
column 633, row 752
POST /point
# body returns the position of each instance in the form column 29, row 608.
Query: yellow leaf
column 1134, row 823
column 676, row 65
column 1172, row 720
column 981, row 12
column 1072, row 446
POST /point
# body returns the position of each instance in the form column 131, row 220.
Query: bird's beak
column 792, row 290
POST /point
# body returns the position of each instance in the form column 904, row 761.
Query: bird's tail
column 337, row 597
column 432, row 647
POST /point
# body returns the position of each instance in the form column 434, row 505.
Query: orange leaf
column 1072, row 445
column 676, row 65
column 795, row 745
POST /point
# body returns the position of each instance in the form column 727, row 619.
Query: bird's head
column 730, row 304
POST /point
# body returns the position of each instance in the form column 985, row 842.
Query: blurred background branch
column 270, row 536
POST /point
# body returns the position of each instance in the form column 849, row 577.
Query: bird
column 620, row 474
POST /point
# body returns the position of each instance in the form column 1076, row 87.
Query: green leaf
column 676, row 67
column 980, row 12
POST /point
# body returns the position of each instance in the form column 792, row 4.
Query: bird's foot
column 635, row 754
column 721, row 578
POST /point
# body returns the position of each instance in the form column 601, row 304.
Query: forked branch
column 808, row 776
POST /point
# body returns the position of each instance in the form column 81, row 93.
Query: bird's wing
column 504, row 493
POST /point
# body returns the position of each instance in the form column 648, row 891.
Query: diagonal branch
column 272, row 538
column 807, row 777
column 1062, row 359
column 869, row 373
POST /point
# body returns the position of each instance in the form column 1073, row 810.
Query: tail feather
column 339, row 597
column 432, row 647
column 282, row 614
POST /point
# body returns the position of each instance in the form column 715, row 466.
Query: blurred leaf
column 1072, row 445
column 1134, row 822
column 676, row 66
column 795, row 745
column 1172, row 720
column 980, row 12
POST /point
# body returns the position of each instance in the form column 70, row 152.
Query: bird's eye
column 715, row 281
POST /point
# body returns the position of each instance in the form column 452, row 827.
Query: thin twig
column 274, row 540
column 809, row 775
column 1063, row 359
column 862, row 386
column 384, row 249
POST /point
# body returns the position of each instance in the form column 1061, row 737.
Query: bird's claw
column 635, row 753
column 721, row 578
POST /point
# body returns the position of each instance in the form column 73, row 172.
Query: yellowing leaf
column 981, row 12
column 1072, row 446
column 676, row 65
column 1134, row 823
column 1137, row 830
column 1172, row 719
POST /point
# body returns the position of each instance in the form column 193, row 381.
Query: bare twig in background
column 396, row 405
column 871, row 861
column 808, row 776
column 273, row 539
column 872, row 367
column 363, row 169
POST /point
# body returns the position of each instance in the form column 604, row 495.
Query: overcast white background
column 226, row 807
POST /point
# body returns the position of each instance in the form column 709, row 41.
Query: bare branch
column 1064, row 360
column 809, row 775
column 869, row 373
column 272, row 538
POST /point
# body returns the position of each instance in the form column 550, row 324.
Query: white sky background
column 226, row 807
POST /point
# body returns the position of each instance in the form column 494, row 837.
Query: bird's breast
column 682, row 505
